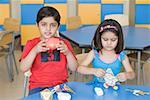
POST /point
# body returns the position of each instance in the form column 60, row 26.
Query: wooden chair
column 121, row 18
column 12, row 24
column 77, row 76
column 6, row 49
column 73, row 22
column 144, row 59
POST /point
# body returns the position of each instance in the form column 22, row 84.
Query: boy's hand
column 122, row 77
column 41, row 46
column 99, row 72
column 62, row 47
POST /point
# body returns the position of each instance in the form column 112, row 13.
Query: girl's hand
column 62, row 47
column 122, row 77
column 41, row 46
column 99, row 72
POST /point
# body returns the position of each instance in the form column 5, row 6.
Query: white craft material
column 98, row 91
column 63, row 96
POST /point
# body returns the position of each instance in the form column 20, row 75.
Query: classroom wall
column 91, row 12
column 4, row 11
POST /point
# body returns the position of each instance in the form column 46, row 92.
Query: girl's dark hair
column 48, row 12
column 115, row 27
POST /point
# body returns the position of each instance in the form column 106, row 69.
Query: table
column 84, row 91
column 135, row 39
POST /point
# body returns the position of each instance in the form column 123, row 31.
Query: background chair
column 12, row 24
column 73, row 22
column 145, row 56
column 6, row 42
column 77, row 76
column 121, row 18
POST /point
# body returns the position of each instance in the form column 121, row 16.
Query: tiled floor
column 10, row 90
column 13, row 91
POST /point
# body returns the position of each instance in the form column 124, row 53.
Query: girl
column 49, row 72
column 107, row 53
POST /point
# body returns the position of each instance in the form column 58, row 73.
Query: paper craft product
column 46, row 94
column 68, row 89
column 138, row 92
column 63, row 96
column 99, row 91
column 52, row 42
column 110, row 79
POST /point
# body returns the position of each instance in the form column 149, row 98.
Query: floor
column 13, row 90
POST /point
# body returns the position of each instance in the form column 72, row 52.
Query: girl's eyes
column 113, row 39
column 105, row 39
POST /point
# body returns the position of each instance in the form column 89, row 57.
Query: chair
column 73, row 22
column 77, row 76
column 26, row 80
column 12, row 24
column 6, row 49
column 28, row 74
column 121, row 18
column 145, row 56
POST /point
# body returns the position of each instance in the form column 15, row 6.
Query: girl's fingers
column 121, row 77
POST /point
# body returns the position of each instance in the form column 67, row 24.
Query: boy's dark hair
column 48, row 11
column 114, row 27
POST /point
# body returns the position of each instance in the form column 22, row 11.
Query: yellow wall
column 4, row 12
column 32, row 1
column 143, row 25
column 28, row 32
column 89, row 13
column 142, row 1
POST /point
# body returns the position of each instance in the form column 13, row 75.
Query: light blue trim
column 55, row 1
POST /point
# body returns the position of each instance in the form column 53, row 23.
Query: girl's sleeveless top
column 115, row 66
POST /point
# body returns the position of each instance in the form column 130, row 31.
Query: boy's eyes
column 51, row 25
column 43, row 24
